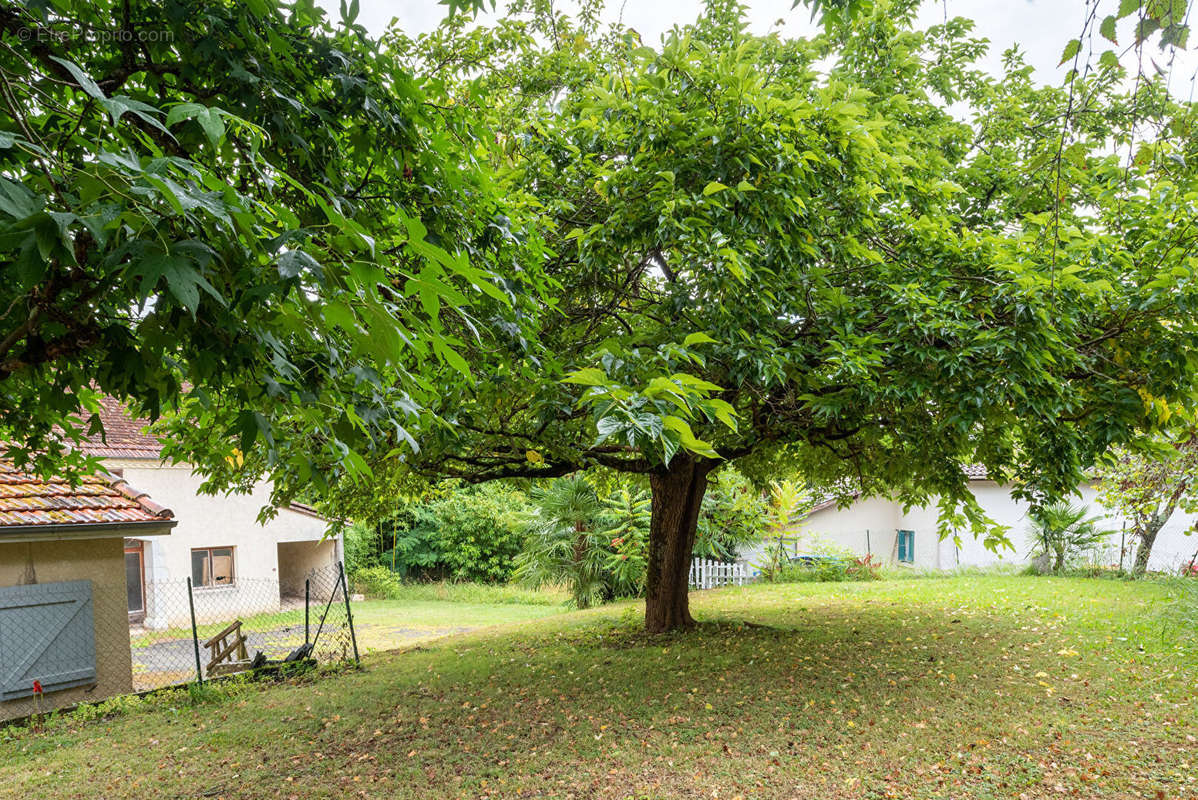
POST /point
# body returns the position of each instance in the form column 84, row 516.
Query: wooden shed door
column 47, row 634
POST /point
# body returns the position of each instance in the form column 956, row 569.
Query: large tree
column 235, row 212
column 1148, row 483
column 790, row 252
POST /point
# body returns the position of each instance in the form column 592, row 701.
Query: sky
column 1040, row 27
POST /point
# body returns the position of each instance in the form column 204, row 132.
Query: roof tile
column 124, row 435
column 27, row 500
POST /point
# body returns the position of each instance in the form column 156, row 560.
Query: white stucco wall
column 883, row 519
column 214, row 521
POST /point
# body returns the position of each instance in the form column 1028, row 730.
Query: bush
column 733, row 514
column 595, row 548
column 1064, row 535
column 829, row 564
column 481, row 531
column 466, row 534
column 378, row 583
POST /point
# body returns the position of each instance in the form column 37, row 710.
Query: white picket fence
column 708, row 574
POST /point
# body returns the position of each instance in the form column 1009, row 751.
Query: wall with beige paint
column 101, row 561
column 215, row 521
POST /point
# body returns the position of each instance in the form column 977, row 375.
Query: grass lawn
column 962, row 687
column 389, row 624
column 380, row 624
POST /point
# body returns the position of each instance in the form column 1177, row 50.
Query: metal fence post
column 307, row 602
column 195, row 636
column 349, row 615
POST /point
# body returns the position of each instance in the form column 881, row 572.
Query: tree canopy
column 236, row 212
column 536, row 247
column 791, row 252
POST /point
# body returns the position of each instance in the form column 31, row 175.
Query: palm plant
column 1064, row 531
column 562, row 543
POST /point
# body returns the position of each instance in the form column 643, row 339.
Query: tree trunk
column 677, row 496
column 580, row 554
column 1058, row 563
column 1144, row 549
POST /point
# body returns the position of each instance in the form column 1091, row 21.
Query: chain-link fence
column 63, row 643
column 248, row 623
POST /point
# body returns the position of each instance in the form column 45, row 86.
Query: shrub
column 827, row 563
column 481, row 531
column 596, row 547
column 379, row 583
column 733, row 514
column 416, row 545
column 465, row 534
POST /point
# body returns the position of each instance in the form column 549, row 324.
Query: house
column 880, row 527
column 63, row 594
column 237, row 565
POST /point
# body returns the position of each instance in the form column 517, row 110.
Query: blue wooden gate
column 47, row 635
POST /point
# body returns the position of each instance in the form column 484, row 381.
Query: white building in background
column 880, row 526
column 237, row 565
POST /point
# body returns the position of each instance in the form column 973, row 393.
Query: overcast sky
column 1040, row 27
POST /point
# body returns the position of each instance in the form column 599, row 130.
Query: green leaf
column 339, row 314
column 588, row 376
column 183, row 111
column 697, row 338
column 210, row 121
column 294, row 262
column 713, row 187
column 183, row 279
column 686, row 437
column 1175, row 36
column 1071, row 50
column 82, row 78
column 1107, row 29
column 1146, row 28
column 451, row 357
column 1128, row 7
column 17, row 200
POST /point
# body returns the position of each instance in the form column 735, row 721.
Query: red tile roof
column 97, row 500
column 124, row 435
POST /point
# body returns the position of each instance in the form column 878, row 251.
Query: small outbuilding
column 64, row 596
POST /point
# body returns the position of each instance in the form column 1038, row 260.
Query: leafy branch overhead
column 242, row 215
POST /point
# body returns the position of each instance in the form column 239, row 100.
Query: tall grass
column 381, row 584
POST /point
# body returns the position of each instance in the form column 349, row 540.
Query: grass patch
column 426, row 606
column 479, row 593
column 960, row 687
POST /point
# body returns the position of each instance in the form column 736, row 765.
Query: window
column 906, row 547
column 212, row 566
